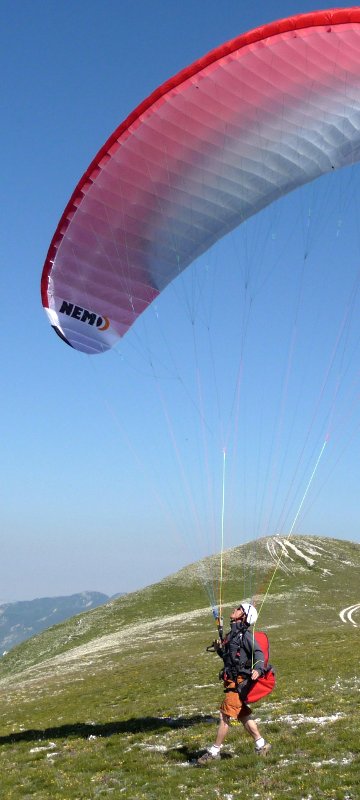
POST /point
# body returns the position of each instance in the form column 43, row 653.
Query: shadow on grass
column 82, row 730
column 178, row 754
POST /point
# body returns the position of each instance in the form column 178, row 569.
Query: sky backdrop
column 113, row 471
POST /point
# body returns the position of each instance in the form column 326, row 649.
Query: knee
column 224, row 718
column 245, row 719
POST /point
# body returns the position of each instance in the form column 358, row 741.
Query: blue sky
column 112, row 467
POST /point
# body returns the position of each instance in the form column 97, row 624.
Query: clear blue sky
column 93, row 495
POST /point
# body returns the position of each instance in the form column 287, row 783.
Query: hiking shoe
column 206, row 758
column 263, row 751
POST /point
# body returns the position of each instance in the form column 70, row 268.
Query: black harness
column 237, row 652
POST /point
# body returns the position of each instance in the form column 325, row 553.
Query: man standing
column 244, row 661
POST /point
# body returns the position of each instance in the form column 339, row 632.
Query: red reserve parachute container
column 264, row 685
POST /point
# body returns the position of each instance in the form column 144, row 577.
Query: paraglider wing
column 253, row 120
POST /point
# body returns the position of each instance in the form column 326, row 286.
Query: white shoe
column 207, row 757
column 263, row 751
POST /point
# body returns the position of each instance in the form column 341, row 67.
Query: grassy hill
column 118, row 701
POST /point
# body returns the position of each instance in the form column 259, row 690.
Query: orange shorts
column 233, row 706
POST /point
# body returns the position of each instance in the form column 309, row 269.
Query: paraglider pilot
column 243, row 662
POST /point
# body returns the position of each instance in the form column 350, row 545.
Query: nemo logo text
column 83, row 315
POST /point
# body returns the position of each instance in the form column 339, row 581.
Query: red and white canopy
column 254, row 119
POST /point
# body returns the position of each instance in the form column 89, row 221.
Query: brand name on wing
column 83, row 315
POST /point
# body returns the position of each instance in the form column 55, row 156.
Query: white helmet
column 251, row 613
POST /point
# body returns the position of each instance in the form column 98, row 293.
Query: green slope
column 116, row 702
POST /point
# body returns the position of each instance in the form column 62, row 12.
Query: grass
column 83, row 717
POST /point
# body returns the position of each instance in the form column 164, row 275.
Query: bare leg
column 214, row 750
column 251, row 727
column 222, row 729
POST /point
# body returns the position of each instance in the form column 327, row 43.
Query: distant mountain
column 23, row 619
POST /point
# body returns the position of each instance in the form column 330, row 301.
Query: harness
column 237, row 653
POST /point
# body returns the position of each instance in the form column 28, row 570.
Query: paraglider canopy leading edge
column 253, row 120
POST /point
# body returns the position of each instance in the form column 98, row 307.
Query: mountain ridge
column 122, row 610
